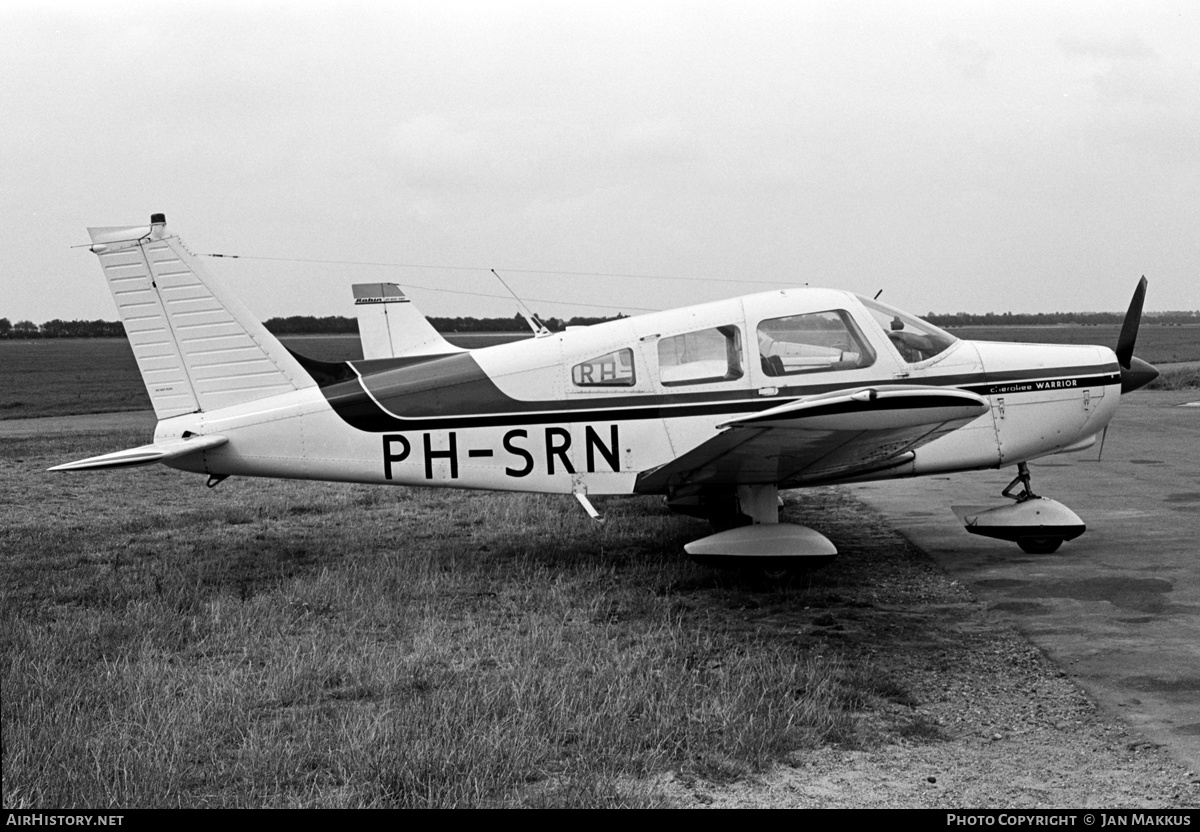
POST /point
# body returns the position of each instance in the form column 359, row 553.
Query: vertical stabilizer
column 196, row 346
column 390, row 326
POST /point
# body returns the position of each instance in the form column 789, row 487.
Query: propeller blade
column 1129, row 329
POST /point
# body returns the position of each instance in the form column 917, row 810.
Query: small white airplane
column 718, row 407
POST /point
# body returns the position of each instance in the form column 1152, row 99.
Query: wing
column 821, row 438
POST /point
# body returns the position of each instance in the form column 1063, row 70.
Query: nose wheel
column 1037, row 524
column 1042, row 544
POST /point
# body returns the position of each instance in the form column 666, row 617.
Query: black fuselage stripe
column 366, row 414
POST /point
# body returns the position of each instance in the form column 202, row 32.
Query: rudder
column 196, row 346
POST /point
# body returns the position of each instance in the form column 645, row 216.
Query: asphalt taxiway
column 1117, row 609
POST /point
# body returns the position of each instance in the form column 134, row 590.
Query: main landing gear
column 750, row 536
column 1037, row 524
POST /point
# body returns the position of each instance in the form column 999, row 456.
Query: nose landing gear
column 1025, row 480
column 1037, row 524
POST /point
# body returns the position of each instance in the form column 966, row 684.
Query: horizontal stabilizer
column 158, row 452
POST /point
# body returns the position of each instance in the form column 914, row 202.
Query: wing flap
column 146, row 454
column 821, row 438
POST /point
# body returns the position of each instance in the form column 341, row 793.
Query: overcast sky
column 960, row 156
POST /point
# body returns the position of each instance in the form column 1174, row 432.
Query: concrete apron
column 1117, row 609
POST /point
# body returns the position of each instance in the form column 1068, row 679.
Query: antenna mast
column 539, row 328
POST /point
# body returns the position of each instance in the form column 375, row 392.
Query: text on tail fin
column 390, row 325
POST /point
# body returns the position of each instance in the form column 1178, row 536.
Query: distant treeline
column 1056, row 318
column 338, row 325
column 61, row 329
column 294, row 325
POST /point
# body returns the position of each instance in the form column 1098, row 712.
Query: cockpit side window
column 613, row 369
column 814, row 343
column 916, row 340
column 706, row 355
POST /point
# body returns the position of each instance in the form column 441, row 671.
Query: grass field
column 272, row 643
column 66, row 376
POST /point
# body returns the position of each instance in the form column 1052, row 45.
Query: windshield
column 916, row 340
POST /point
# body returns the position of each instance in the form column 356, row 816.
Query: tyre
column 1040, row 545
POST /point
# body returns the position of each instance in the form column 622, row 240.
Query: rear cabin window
column 814, row 343
column 613, row 369
column 706, row 355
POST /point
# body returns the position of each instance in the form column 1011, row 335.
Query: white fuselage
column 547, row 425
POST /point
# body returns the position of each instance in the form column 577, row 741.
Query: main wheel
column 1040, row 545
